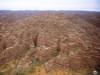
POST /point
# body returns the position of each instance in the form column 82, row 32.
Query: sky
column 91, row 5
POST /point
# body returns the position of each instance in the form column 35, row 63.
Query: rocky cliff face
column 60, row 40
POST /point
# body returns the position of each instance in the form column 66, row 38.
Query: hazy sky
column 50, row 5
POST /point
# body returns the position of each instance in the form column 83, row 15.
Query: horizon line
column 46, row 10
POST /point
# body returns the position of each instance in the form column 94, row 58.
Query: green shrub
column 56, row 53
column 28, row 48
column 32, row 69
column 35, row 44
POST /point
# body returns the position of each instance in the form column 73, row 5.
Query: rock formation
column 60, row 40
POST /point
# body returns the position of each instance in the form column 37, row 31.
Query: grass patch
column 64, row 73
column 11, row 70
column 5, row 65
column 5, row 35
column 55, row 70
column 88, row 73
column 14, row 61
column 36, row 61
column 84, row 40
column 66, row 41
column 32, row 69
column 48, row 46
column 41, row 50
column 16, row 64
column 58, row 44
column 71, row 70
column 46, row 71
column 39, row 74
column 78, row 49
column 73, row 36
column 63, row 55
column 22, row 56
column 67, row 37
column 51, row 72
column 1, row 73
column 26, row 73
column 45, row 32
column 55, row 55
column 56, row 38
column 20, row 71
column 39, row 69
column 16, row 24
